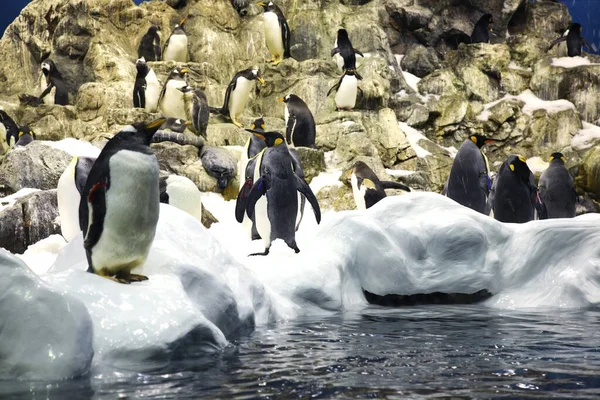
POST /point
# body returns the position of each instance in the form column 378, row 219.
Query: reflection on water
column 441, row 351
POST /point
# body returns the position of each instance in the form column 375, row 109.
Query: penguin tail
column 179, row 138
column 394, row 185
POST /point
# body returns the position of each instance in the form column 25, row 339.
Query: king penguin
column 557, row 190
column 367, row 188
column 26, row 136
column 196, row 109
column 277, row 32
column 344, row 52
column 149, row 48
column 574, row 40
column 299, row 121
column 482, row 29
column 171, row 99
column 273, row 199
column 469, row 183
column 176, row 47
column 119, row 206
column 347, row 90
column 237, row 94
column 140, row 86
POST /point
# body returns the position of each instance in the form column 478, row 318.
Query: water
column 415, row 352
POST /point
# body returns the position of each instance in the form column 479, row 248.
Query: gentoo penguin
column 299, row 121
column 153, row 91
column 514, row 194
column 175, row 125
column 171, row 99
column 11, row 128
column 574, row 40
column 69, row 189
column 346, row 54
column 119, row 206
column 149, row 48
column 240, row 6
column 277, row 32
column 176, row 48
column 182, row 193
column 273, row 199
column 347, row 89
column 52, row 86
column 237, row 94
column 219, row 163
column 139, row 87
column 196, row 109
column 469, row 183
column 482, row 29
column 557, row 190
column 367, row 188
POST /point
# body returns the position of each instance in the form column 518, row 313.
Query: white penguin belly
column 152, row 91
column 286, row 114
column 49, row 98
column 68, row 198
column 273, row 34
column 263, row 224
column 299, row 214
column 345, row 98
column 239, row 96
column 184, row 194
column 177, row 50
column 172, row 104
column 132, row 208
column 359, row 194
column 339, row 60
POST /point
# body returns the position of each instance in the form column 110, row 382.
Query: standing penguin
column 557, row 190
column 299, row 121
column 11, row 128
column 171, row 99
column 149, row 48
column 482, row 29
column 346, row 58
column 469, row 183
column 347, row 90
column 196, row 109
column 53, row 86
column 574, row 40
column 237, row 94
column 273, row 199
column 139, row 87
column 176, row 47
column 277, row 32
column 119, row 206
column 153, row 91
column 514, row 194
column 367, row 188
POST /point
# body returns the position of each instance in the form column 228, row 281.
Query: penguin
column 175, row 125
column 237, row 94
column 299, row 121
column 182, row 193
column 149, row 48
column 218, row 163
column 11, row 128
column 514, row 197
column 139, row 87
column 557, row 190
column 171, row 99
column 347, row 90
column 26, row 136
column 367, row 188
column 240, row 6
column 70, row 186
column 176, row 47
column 196, row 109
column 482, row 29
column 119, row 206
column 152, row 92
column 346, row 58
column 277, row 32
column 574, row 40
column 273, row 199
column 469, row 183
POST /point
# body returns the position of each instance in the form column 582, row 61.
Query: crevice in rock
column 26, row 223
column 518, row 22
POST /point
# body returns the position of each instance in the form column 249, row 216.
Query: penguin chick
column 300, row 123
column 196, row 109
column 367, row 188
column 574, row 40
column 347, row 53
column 347, row 90
column 149, row 48
column 139, row 87
column 557, row 190
column 237, row 94
column 482, row 29
column 119, row 206
column 277, row 32
column 176, row 47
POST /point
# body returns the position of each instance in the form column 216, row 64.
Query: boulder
column 588, row 178
column 420, row 61
column 313, row 162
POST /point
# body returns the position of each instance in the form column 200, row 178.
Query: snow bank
column 414, row 137
column 75, row 147
column 532, row 103
column 586, row 137
column 571, row 62
column 9, row 201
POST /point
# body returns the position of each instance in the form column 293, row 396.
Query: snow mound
column 571, row 62
column 586, row 137
column 532, row 104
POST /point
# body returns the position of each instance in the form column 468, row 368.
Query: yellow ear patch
column 21, row 133
column 522, row 159
column 551, row 158
column 564, row 159
column 262, row 126
column 278, row 141
column 252, row 126
column 474, row 139
column 512, row 167
column 369, row 183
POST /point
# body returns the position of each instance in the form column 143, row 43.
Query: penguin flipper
column 557, row 41
column 46, row 91
column 289, row 129
column 258, row 190
column 394, row 185
column 335, row 51
column 285, row 36
column 359, row 53
column 96, row 199
column 230, row 88
column 242, row 200
column 303, row 188
column 334, row 87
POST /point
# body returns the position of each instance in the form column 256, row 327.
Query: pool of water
column 413, row 352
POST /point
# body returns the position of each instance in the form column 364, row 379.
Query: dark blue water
column 420, row 352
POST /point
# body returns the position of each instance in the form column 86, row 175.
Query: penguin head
column 178, row 28
column 258, row 125
column 481, row 140
column 140, row 63
column 3, row 116
column 518, row 165
column 25, row 130
column 557, row 157
column 575, row 27
column 486, row 20
column 256, row 75
column 272, row 139
column 267, row 5
column 288, row 98
column 153, row 30
column 361, row 170
column 48, row 66
column 178, row 73
column 141, row 132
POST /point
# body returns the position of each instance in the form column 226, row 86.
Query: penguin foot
column 277, row 60
column 132, row 277
column 266, row 252
column 118, row 280
column 238, row 124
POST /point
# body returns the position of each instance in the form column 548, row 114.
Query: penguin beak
column 262, row 4
column 488, row 141
column 188, row 123
column 184, row 70
column 350, row 173
column 156, row 123
column 182, row 21
column 261, row 80
column 281, row 99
